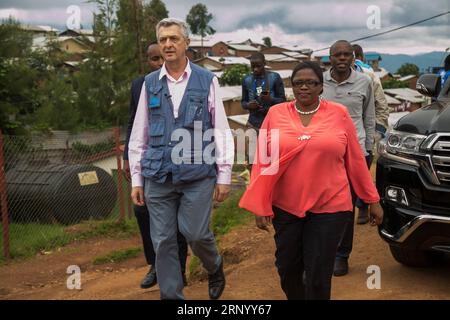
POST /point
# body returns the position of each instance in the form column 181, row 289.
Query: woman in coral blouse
column 305, row 191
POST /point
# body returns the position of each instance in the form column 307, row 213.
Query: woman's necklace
column 307, row 112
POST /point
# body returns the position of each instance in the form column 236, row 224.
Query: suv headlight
column 403, row 142
column 401, row 146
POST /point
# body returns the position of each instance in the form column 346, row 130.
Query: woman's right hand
column 263, row 222
column 376, row 214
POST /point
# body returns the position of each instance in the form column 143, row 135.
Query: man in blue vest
column 182, row 149
column 155, row 62
column 261, row 90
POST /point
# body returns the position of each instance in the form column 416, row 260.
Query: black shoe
column 363, row 216
column 216, row 283
column 150, row 279
column 340, row 267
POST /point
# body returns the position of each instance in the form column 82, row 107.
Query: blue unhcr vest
column 193, row 117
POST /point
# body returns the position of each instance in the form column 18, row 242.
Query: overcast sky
column 309, row 24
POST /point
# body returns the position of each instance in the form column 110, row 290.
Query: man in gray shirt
column 354, row 90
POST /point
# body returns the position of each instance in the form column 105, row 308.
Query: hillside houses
column 219, row 56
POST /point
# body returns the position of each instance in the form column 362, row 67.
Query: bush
column 234, row 75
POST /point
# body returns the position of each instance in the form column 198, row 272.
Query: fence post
column 4, row 202
column 119, row 173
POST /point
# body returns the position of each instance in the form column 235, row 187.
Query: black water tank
column 59, row 193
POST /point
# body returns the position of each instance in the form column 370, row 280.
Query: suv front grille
column 441, row 159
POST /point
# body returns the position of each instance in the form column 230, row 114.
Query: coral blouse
column 314, row 166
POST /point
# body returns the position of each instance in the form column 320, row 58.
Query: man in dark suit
column 155, row 62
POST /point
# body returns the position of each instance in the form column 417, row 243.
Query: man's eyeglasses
column 308, row 83
column 346, row 54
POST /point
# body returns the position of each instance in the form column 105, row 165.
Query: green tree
column 408, row 68
column 234, row 75
column 267, row 42
column 198, row 20
column 94, row 84
column 57, row 107
column 128, row 45
column 394, row 84
column 15, row 42
column 18, row 80
column 154, row 12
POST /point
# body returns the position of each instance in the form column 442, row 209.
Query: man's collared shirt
column 222, row 133
column 356, row 94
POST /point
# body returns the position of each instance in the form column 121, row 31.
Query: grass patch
column 118, row 256
column 28, row 239
column 229, row 215
column 194, row 267
column 109, row 229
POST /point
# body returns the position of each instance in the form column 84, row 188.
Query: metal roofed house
column 221, row 63
column 411, row 99
column 76, row 32
column 274, row 50
column 373, row 59
column 296, row 55
column 410, row 79
column 223, row 49
column 197, row 50
column 281, row 61
column 39, row 31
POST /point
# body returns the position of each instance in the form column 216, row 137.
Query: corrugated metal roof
column 230, row 60
column 197, row 43
column 405, row 94
column 284, row 74
column 295, row 55
column 391, row 100
column 230, row 93
column 406, row 78
column 242, row 47
column 278, row 57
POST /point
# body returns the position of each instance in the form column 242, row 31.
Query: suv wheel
column 412, row 258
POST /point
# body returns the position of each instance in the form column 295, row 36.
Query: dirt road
column 249, row 266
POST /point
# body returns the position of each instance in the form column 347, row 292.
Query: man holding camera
column 261, row 90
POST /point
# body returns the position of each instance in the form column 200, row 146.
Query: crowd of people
column 326, row 137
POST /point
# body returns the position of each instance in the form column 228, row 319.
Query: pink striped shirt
column 222, row 133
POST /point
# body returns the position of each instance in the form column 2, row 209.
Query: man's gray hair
column 167, row 22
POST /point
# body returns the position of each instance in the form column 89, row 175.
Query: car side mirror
column 429, row 85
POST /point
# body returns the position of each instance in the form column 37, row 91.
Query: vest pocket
column 152, row 161
column 194, row 111
column 157, row 132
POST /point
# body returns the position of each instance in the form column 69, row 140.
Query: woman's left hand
column 376, row 214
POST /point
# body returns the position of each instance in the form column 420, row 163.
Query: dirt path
column 249, row 266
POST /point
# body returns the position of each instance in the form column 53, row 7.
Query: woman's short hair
column 168, row 22
column 312, row 65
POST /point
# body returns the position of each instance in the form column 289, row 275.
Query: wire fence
column 51, row 183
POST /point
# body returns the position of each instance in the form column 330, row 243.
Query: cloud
column 310, row 23
column 404, row 12
column 40, row 4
